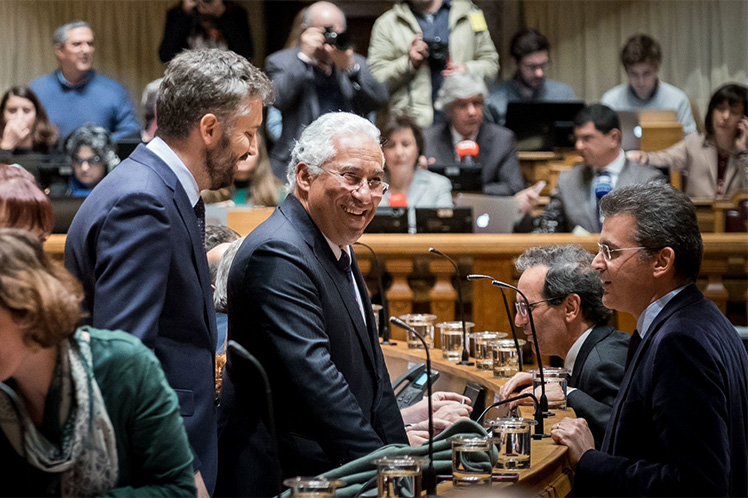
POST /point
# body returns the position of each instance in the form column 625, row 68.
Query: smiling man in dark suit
column 136, row 243
column 565, row 296
column 679, row 425
column 298, row 302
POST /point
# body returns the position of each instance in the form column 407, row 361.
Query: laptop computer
column 444, row 220
column 491, row 214
column 389, row 220
column 542, row 126
column 631, row 131
column 464, row 177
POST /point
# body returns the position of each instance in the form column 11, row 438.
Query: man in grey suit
column 565, row 296
column 461, row 98
column 321, row 75
column 574, row 202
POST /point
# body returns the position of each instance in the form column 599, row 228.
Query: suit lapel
column 585, row 197
column 596, row 335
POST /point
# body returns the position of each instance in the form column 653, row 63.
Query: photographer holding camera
column 321, row 75
column 417, row 43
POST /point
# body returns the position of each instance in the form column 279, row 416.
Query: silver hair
column 148, row 101
column 459, row 86
column 220, row 296
column 569, row 272
column 60, row 35
column 308, row 14
column 315, row 146
column 98, row 140
column 204, row 81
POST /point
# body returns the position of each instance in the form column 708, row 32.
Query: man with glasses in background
column 297, row 301
column 679, row 426
column 565, row 298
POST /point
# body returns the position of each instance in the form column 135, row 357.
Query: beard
column 220, row 164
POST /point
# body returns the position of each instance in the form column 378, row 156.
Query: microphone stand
column 539, row 431
column 465, row 355
column 508, row 315
column 429, row 477
column 384, row 325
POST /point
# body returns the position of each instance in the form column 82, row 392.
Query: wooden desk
column 549, row 474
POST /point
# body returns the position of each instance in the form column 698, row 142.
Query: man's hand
column 216, row 8
column 454, row 407
column 638, row 156
column 519, row 379
column 311, row 43
column 419, row 51
column 14, row 134
column 419, row 433
column 342, row 59
column 575, row 434
column 527, row 199
column 202, row 491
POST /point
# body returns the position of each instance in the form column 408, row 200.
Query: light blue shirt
column 167, row 155
column 645, row 319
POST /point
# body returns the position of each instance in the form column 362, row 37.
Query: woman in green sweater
column 82, row 412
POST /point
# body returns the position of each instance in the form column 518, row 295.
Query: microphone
column 509, row 318
column 430, row 478
column 539, row 432
column 465, row 355
column 467, row 151
column 384, row 325
column 398, row 200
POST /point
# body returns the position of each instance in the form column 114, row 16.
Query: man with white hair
column 461, row 98
column 298, row 303
column 75, row 95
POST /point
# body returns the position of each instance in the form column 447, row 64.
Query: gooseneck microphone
column 508, row 316
column 430, row 477
column 384, row 325
column 539, row 430
column 465, row 355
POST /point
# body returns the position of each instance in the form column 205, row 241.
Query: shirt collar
column 649, row 97
column 84, row 81
column 457, row 137
column 645, row 319
column 616, row 166
column 167, row 155
column 571, row 356
column 337, row 251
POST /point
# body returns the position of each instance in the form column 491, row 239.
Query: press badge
column 478, row 21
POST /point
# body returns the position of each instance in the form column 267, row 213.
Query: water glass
column 471, row 460
column 424, row 325
column 377, row 309
column 399, row 476
column 556, row 385
column 312, row 487
column 506, row 357
column 481, row 343
column 513, row 441
column 451, row 338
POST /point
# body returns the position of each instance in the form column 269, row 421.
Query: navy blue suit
column 135, row 246
column 294, row 309
column 679, row 424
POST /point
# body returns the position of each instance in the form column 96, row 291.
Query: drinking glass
column 506, row 357
column 451, row 338
column 481, row 343
column 312, row 487
column 424, row 325
column 513, row 441
column 556, row 385
column 399, row 476
column 471, row 460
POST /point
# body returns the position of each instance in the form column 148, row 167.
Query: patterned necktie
column 636, row 339
column 200, row 213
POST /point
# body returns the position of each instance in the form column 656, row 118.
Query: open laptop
column 631, row 131
column 444, row 220
column 389, row 220
column 464, row 177
column 542, row 126
column 491, row 214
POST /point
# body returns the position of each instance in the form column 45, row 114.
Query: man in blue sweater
column 75, row 95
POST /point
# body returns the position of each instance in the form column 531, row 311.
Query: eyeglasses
column 522, row 306
column 90, row 160
column 354, row 182
column 607, row 252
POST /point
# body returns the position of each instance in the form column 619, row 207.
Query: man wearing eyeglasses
column 530, row 52
column 679, row 426
column 298, row 302
column 565, row 297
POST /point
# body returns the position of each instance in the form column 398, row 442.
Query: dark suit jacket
column 135, row 246
column 296, row 98
column 497, row 155
column 679, row 426
column 572, row 204
column 294, row 309
column 598, row 371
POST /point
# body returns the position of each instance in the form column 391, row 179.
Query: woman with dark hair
column 23, row 204
column 714, row 164
column 254, row 183
column 83, row 412
column 24, row 125
column 402, row 144
column 94, row 154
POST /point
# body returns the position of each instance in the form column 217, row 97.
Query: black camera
column 438, row 54
column 341, row 41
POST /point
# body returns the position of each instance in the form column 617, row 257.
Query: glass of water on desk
column 451, row 338
column 399, row 476
column 423, row 324
column 506, row 357
column 312, row 487
column 471, row 460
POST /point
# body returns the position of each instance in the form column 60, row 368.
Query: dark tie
column 344, row 263
column 636, row 339
column 200, row 213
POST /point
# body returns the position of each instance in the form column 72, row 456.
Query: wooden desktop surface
column 549, row 474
